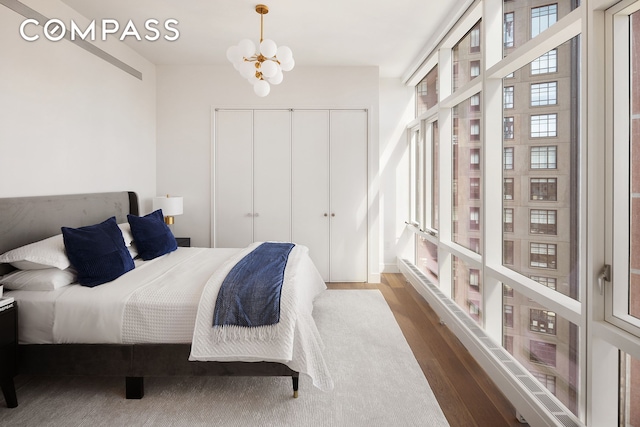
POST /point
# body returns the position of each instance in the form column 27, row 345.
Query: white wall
column 397, row 108
column 71, row 122
column 186, row 96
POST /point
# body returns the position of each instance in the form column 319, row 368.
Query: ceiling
column 390, row 34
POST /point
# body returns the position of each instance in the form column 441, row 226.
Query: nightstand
column 9, row 352
column 184, row 242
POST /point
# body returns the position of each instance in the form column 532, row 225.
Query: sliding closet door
column 271, row 175
column 348, row 178
column 233, row 179
column 310, row 185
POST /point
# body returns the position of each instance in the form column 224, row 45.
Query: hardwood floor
column 464, row 391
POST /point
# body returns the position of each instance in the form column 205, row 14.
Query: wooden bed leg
column 134, row 387
column 295, row 377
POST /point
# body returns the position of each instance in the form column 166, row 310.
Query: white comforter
column 157, row 302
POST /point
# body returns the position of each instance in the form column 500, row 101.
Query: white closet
column 298, row 175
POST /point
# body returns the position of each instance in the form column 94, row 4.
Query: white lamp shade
column 284, row 54
column 268, row 48
column 170, row 206
column 269, row 68
column 261, row 88
column 247, row 48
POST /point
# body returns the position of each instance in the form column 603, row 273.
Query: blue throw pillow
column 97, row 252
column 151, row 235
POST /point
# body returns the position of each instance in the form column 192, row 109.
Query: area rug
column 378, row 382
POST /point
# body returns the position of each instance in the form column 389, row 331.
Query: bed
column 142, row 323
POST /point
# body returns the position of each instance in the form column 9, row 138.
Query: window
column 544, row 94
column 543, row 157
column 507, row 291
column 547, row 63
column 507, row 343
column 544, row 125
column 508, row 127
column 474, row 188
column 475, row 102
column 474, row 244
column 508, row 189
column 474, row 159
column 474, row 218
column 474, row 309
column 544, row 189
column 507, row 97
column 474, row 279
column 549, row 381
column 507, row 252
column 508, row 316
column 474, row 129
column 474, row 69
column 543, row 255
column 542, row 352
column 474, row 45
column 507, row 159
column 542, row 321
column 507, row 220
column 549, row 282
column 543, row 221
column 508, row 29
column 542, row 18
column 427, row 92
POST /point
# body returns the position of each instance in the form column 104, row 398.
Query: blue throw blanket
column 250, row 294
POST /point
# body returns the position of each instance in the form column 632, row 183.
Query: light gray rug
column 377, row 383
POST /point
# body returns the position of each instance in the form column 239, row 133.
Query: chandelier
column 265, row 66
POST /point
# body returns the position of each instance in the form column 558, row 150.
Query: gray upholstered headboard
column 26, row 220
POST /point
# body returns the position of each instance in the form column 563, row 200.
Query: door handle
column 605, row 275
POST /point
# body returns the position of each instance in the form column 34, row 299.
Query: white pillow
column 46, row 253
column 38, row 280
column 126, row 233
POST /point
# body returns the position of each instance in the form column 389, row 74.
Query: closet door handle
column 256, row 214
column 332, row 214
column 326, row 214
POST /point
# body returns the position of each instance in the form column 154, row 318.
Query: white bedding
column 157, row 302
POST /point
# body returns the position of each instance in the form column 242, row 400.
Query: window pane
column 546, row 344
column 629, row 390
column 467, row 288
column 466, row 58
column 634, row 173
column 427, row 91
column 435, row 178
column 542, row 186
column 428, row 259
column 466, row 175
column 524, row 19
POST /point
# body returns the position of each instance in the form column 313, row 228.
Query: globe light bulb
column 268, row 48
column 261, row 88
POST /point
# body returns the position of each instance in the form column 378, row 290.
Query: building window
column 549, row 282
column 508, row 316
column 543, row 221
column 507, row 291
column 544, row 125
column 542, row 352
column 507, row 159
column 542, row 18
column 543, row 255
column 474, row 218
column 508, row 127
column 507, row 97
column 507, row 252
column 549, row 381
column 507, row 343
column 544, row 157
column 474, row 159
column 544, row 189
column 547, row 63
column 542, row 321
column 474, row 279
column 508, row 29
column 474, row 43
column 474, row 309
column 427, row 92
column 507, row 220
column 508, row 188
column 475, row 102
column 474, row 188
column 474, row 244
column 544, row 94
column 474, row 129
column 474, row 68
